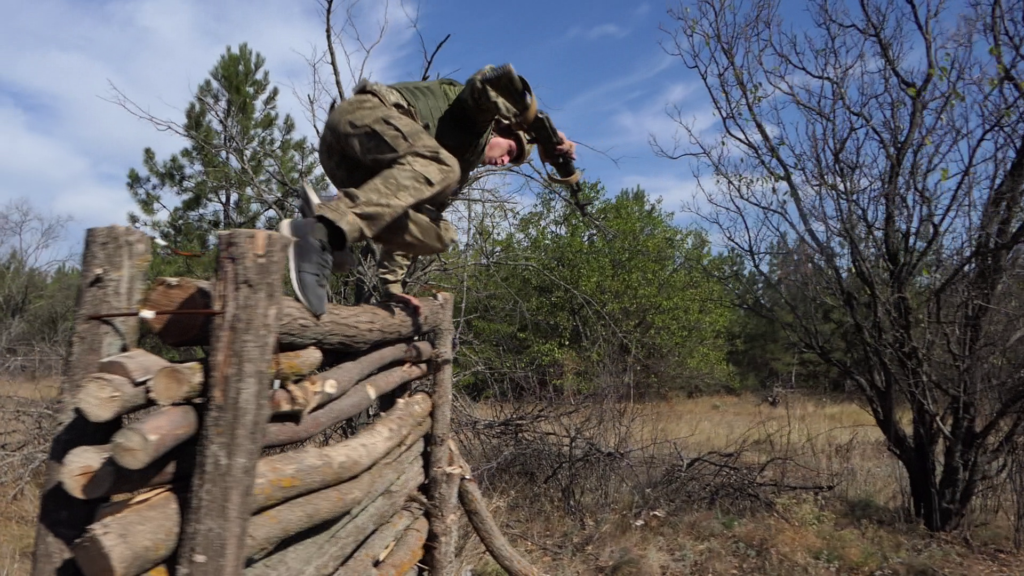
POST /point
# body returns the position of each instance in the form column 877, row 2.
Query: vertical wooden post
column 114, row 265
column 443, row 486
column 248, row 291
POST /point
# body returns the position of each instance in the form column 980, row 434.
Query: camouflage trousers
column 393, row 180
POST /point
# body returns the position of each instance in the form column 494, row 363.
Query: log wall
column 246, row 462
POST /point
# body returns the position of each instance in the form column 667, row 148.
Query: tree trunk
column 139, row 537
column 291, row 474
column 443, row 487
column 248, row 294
column 353, row 402
column 342, row 328
column 146, row 440
column 104, row 397
column 113, row 275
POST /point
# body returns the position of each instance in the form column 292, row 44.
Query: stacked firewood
column 352, row 507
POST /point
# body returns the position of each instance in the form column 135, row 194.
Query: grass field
column 855, row 528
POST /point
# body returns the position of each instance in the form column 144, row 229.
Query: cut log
column 322, row 553
column 486, row 528
column 79, row 471
column 104, row 397
column 168, row 294
column 443, row 487
column 350, row 404
column 346, row 540
column 160, row 518
column 176, row 383
column 298, row 363
column 112, row 277
column 136, row 365
column 134, row 540
column 270, row 527
column 146, row 440
column 344, row 376
column 380, row 542
column 408, row 550
column 250, row 266
column 89, row 473
column 342, row 328
column 291, row 474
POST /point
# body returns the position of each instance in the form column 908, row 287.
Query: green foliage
column 240, row 169
column 37, row 291
column 566, row 306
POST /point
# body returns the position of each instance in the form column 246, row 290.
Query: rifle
column 542, row 132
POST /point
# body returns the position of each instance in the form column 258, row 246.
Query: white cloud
column 68, row 149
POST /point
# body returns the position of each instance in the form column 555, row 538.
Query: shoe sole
column 310, row 200
column 285, row 228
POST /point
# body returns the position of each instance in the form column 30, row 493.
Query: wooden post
column 249, row 293
column 444, row 487
column 114, row 263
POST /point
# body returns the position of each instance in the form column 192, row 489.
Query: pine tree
column 241, row 167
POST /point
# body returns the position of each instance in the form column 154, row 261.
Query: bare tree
column 35, row 308
column 883, row 140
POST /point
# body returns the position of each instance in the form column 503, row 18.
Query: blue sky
column 595, row 66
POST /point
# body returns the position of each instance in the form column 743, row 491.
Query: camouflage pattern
column 398, row 154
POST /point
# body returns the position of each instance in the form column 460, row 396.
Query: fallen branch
column 146, row 440
column 350, row 404
column 346, row 375
column 139, row 537
column 104, row 397
column 408, row 550
column 484, row 525
column 291, row 474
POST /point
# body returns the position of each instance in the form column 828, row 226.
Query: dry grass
column 22, row 446
column 856, row 528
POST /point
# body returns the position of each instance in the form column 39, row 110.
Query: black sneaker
column 343, row 260
column 309, row 261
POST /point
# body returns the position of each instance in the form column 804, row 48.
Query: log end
column 130, row 449
column 84, row 473
column 104, row 397
column 92, row 557
column 176, row 383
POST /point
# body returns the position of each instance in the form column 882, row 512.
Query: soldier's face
column 499, row 151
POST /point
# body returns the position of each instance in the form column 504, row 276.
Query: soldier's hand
column 409, row 301
column 566, row 148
